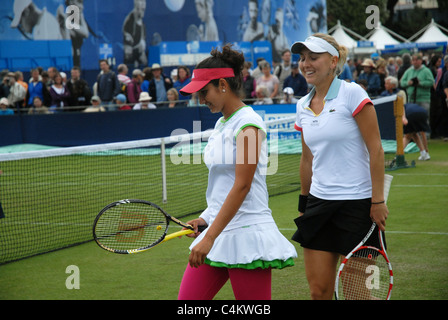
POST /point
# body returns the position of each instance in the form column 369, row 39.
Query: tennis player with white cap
column 341, row 167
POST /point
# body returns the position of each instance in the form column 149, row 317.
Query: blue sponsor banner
column 132, row 28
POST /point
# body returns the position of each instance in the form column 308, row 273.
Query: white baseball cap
column 314, row 44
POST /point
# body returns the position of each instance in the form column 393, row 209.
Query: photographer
column 417, row 81
column 17, row 92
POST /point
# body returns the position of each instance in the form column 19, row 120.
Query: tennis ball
column 159, row 228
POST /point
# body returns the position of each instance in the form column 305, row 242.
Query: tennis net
column 50, row 198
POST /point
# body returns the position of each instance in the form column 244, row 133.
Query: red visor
column 201, row 77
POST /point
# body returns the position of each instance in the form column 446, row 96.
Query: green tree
column 352, row 14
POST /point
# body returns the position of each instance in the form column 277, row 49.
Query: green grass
column 417, row 238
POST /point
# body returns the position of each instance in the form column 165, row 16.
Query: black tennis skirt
column 335, row 225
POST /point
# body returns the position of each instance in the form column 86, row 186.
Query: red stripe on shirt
column 361, row 105
column 297, row 127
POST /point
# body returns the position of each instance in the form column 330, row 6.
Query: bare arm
column 306, row 172
column 368, row 125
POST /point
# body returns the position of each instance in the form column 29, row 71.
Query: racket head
column 365, row 274
column 130, row 226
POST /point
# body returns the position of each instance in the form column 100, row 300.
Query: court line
column 390, row 231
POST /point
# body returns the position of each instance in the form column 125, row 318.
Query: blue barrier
column 77, row 129
column 19, row 55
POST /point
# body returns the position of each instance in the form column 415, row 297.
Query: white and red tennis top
column 341, row 165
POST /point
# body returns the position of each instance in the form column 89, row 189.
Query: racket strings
column 131, row 226
column 365, row 276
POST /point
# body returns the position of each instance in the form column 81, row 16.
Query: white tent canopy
column 342, row 37
column 432, row 33
column 380, row 37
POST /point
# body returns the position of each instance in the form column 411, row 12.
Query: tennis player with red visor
column 241, row 242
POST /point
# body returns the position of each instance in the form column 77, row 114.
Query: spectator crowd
column 422, row 79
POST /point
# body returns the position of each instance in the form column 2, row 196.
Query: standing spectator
column 418, row 81
column 381, row 69
column 134, row 87
column 296, row 81
column 80, row 93
column 406, row 58
column 183, row 78
column 160, row 84
column 19, row 78
column 249, row 84
column 108, row 85
column 268, row 80
column 283, row 70
column 51, row 71
column 146, row 79
column 415, row 121
column 372, row 78
column 35, row 87
column 59, row 95
column 392, row 67
column 4, row 107
column 346, row 73
column 17, row 92
column 123, row 78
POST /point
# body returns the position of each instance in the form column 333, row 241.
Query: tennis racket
column 133, row 226
column 366, row 272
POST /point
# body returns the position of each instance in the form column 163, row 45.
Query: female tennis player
column 342, row 164
column 242, row 241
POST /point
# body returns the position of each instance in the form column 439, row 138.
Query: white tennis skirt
column 249, row 247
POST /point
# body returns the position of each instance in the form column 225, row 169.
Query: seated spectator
column 183, row 78
column 144, row 102
column 288, row 96
column 391, row 86
column 96, row 105
column 4, row 107
column 372, row 78
column 59, row 94
column 173, row 99
column 262, row 96
column 120, row 101
column 37, row 107
column 296, row 81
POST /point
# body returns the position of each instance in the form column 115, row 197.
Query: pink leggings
column 203, row 283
